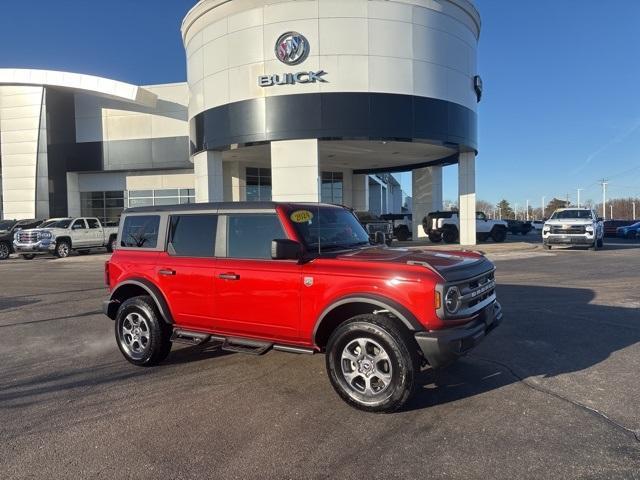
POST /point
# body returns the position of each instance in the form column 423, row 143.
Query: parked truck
column 444, row 226
column 61, row 236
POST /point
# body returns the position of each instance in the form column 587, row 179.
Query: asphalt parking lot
column 553, row 393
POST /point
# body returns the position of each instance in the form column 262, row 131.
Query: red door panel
column 188, row 285
column 258, row 298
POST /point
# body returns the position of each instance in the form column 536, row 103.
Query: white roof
column 103, row 87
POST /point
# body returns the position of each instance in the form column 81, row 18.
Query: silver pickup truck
column 59, row 236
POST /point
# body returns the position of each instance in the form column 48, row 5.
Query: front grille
column 568, row 230
column 379, row 227
column 476, row 294
column 28, row 237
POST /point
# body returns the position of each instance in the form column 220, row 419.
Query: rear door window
column 93, row 223
column 140, row 231
column 192, row 235
column 249, row 235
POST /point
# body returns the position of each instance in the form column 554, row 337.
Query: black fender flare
column 383, row 303
column 153, row 291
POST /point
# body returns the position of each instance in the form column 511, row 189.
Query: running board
column 250, row 347
column 190, row 338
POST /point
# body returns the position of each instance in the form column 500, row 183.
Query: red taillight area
column 107, row 276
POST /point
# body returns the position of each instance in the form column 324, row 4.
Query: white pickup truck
column 59, row 236
column 573, row 226
column 444, row 226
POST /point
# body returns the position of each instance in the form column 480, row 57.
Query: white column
column 467, row 201
column 426, row 187
column 361, row 193
column 295, row 170
column 209, row 178
column 73, row 195
column 347, row 188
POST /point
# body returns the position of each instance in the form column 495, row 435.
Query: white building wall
column 24, row 181
column 413, row 47
column 295, row 170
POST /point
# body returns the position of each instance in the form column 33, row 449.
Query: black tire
column 63, row 249
column 547, row 247
column 435, row 237
column 499, row 235
column 377, row 333
column 111, row 246
column 5, row 250
column 149, row 332
column 402, row 234
column 29, row 256
column 450, row 235
column 482, row 237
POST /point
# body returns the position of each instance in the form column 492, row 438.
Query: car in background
column 573, row 226
column 537, row 225
column 402, row 224
column 630, row 231
column 379, row 230
column 8, row 229
column 441, row 226
column 611, row 226
column 59, row 236
column 518, row 227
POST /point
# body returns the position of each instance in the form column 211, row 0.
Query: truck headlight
column 45, row 235
column 452, row 300
column 589, row 228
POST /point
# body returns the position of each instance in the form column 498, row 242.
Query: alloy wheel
column 135, row 335
column 366, row 367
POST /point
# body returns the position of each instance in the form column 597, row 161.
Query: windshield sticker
column 301, row 216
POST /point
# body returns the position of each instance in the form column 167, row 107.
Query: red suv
column 299, row 278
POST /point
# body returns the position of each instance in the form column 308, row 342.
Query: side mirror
column 285, row 249
column 379, row 238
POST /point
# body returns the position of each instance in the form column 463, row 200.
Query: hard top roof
column 189, row 207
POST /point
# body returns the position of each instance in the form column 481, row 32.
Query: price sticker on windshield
column 301, row 216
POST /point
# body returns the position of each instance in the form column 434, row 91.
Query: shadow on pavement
column 547, row 331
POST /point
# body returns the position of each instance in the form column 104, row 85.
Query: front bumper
column 441, row 347
column 569, row 239
column 41, row 247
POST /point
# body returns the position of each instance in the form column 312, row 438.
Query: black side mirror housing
column 285, row 249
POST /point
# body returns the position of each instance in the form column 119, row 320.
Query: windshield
column 570, row 214
column 326, row 229
column 7, row 224
column 64, row 223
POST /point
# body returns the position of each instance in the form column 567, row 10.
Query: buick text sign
column 292, row 78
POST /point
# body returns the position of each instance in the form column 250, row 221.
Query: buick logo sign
column 292, row 48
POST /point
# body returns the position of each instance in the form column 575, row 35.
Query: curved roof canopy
column 103, row 87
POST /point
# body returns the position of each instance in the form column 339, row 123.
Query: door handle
column 166, row 272
column 229, row 276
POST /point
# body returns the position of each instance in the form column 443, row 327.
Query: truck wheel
column 63, row 249
column 111, row 246
column 435, row 237
column 372, row 363
column 499, row 235
column 142, row 336
column 403, row 234
column 5, row 250
column 482, row 237
column 450, row 235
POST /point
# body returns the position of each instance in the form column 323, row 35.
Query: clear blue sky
column 562, row 81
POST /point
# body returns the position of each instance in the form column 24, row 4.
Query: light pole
column 543, row 207
column 579, row 190
column 634, row 210
column 611, row 212
column 527, row 210
column 604, row 198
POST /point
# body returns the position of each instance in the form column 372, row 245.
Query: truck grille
column 28, row 237
column 569, row 230
column 476, row 294
column 379, row 227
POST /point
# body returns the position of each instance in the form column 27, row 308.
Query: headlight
column 452, row 300
column 45, row 235
column 589, row 228
column 546, row 229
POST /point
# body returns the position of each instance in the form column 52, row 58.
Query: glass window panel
column 193, row 235
column 250, row 236
column 166, row 193
column 140, row 193
column 140, row 231
column 140, row 202
column 166, row 201
column 93, row 223
column 114, row 195
column 115, row 202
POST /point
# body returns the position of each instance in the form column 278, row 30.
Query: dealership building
column 285, row 100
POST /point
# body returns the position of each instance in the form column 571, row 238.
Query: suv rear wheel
column 450, row 235
column 142, row 336
column 499, row 235
column 372, row 363
column 435, row 237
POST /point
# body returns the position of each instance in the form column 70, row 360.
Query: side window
column 249, row 236
column 140, row 231
column 79, row 225
column 192, row 235
column 93, row 223
column 481, row 216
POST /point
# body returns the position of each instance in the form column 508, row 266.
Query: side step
column 190, row 338
column 250, row 347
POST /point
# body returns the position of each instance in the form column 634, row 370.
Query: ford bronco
column 298, row 278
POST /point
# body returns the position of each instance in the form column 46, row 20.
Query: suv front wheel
column 142, row 336
column 372, row 363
